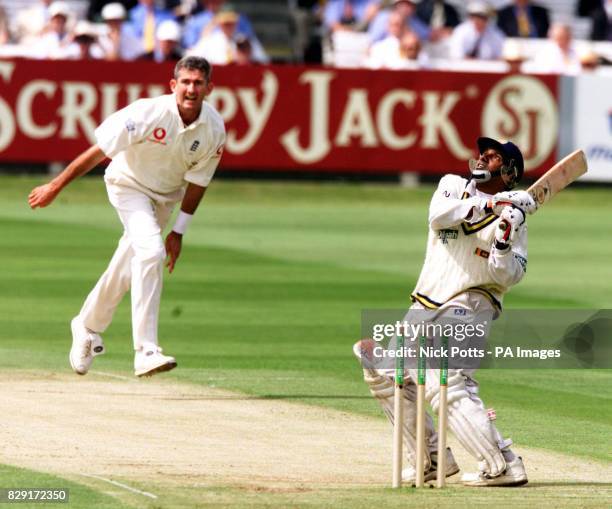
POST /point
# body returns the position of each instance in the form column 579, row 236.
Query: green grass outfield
column 270, row 286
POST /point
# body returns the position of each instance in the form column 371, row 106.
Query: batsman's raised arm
column 44, row 195
column 448, row 209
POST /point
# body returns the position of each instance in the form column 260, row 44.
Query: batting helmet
column 511, row 154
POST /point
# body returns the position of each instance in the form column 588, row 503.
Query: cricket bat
column 556, row 179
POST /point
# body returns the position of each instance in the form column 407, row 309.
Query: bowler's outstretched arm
column 42, row 196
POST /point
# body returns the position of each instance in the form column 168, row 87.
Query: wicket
column 398, row 421
column 442, row 417
column 420, row 417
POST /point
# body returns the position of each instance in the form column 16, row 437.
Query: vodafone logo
column 522, row 109
column 159, row 133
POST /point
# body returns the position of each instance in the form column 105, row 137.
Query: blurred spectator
column 55, row 38
column 477, row 37
column 440, row 16
column 84, row 45
column 387, row 50
column 411, row 54
column 513, row 55
column 31, row 22
column 585, row 8
column 244, row 50
column 401, row 49
column 559, row 55
column 94, row 11
column 589, row 60
column 349, row 14
column 119, row 41
column 306, row 39
column 219, row 46
column 602, row 23
column 407, row 10
column 5, row 35
column 202, row 24
column 168, row 48
column 145, row 18
column 523, row 19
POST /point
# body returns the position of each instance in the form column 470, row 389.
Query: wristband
column 182, row 222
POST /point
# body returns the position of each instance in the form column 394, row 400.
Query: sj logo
column 159, row 136
column 523, row 109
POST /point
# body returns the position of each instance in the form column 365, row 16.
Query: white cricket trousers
column 137, row 264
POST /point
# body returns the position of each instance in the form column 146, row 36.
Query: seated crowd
column 409, row 34
column 395, row 34
column 121, row 31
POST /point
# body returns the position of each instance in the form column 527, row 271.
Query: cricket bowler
column 476, row 251
column 164, row 151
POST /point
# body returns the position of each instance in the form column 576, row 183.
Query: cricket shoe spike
column 513, row 475
column 86, row 345
column 150, row 360
column 409, row 473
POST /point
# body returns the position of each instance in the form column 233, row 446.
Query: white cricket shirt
column 460, row 254
column 152, row 150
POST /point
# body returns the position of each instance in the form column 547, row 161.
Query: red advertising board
column 292, row 117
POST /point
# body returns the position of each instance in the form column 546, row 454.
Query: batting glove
column 512, row 218
column 520, row 199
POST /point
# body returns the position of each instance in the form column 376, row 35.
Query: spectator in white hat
column 168, row 47
column 119, row 41
column 477, row 37
column 84, row 45
column 56, row 37
column 94, row 11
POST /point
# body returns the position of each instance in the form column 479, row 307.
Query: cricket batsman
column 164, row 151
column 476, row 251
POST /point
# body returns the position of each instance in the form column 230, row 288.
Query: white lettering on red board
column 373, row 129
column 521, row 108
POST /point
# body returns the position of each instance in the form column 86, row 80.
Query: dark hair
column 196, row 64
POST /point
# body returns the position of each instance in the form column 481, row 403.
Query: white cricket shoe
column 409, row 473
column 86, row 344
column 150, row 360
column 513, row 475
